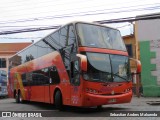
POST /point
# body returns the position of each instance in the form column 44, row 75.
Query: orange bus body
column 86, row 94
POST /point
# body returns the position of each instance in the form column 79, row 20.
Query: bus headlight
column 89, row 90
column 127, row 90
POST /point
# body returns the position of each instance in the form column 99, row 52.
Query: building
column 148, row 35
column 133, row 51
column 7, row 50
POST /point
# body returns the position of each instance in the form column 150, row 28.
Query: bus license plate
column 112, row 100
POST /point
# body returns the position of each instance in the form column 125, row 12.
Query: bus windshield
column 107, row 68
column 99, row 36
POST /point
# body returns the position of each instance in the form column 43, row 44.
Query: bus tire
column 58, row 100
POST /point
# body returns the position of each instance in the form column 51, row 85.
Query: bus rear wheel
column 58, row 100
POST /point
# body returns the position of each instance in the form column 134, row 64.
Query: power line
column 129, row 19
column 88, row 13
column 10, row 26
column 76, row 8
column 28, row 30
column 20, row 37
column 123, row 26
column 64, row 3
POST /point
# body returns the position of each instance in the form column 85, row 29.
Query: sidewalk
column 139, row 104
column 146, row 100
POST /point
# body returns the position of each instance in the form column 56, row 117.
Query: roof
column 149, row 15
column 13, row 47
column 128, row 36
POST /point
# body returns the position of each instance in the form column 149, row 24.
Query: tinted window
column 100, row 61
column 54, row 75
column 107, row 68
column 61, row 39
column 63, row 36
column 42, row 48
column 71, row 35
column 40, row 77
column 33, row 52
column 120, row 67
column 25, row 57
column 24, row 80
column 54, row 39
column 99, row 36
column 29, row 54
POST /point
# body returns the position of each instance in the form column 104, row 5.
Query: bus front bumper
column 96, row 100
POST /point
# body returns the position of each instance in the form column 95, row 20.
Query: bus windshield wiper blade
column 120, row 77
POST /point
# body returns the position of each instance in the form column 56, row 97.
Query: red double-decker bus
column 80, row 64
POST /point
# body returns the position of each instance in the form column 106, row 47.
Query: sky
column 24, row 14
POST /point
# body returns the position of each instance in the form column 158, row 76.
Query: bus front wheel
column 58, row 100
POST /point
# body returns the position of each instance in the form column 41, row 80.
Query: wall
column 148, row 35
column 130, row 39
column 9, row 49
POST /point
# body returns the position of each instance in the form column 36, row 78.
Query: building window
column 2, row 62
column 129, row 49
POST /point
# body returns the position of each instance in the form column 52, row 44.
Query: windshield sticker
column 122, row 70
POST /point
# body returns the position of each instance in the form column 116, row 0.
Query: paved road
column 137, row 104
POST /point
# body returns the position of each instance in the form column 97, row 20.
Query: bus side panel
column 45, row 93
column 41, row 93
column 20, row 86
column 37, row 93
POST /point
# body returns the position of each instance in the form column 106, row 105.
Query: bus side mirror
column 139, row 67
column 83, row 62
column 136, row 63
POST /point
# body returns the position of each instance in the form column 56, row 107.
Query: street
column 137, row 104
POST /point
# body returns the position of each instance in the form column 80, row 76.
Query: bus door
column 75, row 83
column 48, row 85
column 26, row 83
column 52, row 78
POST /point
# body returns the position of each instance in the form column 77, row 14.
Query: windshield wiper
column 120, row 77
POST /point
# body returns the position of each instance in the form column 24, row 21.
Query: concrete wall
column 148, row 35
column 130, row 39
